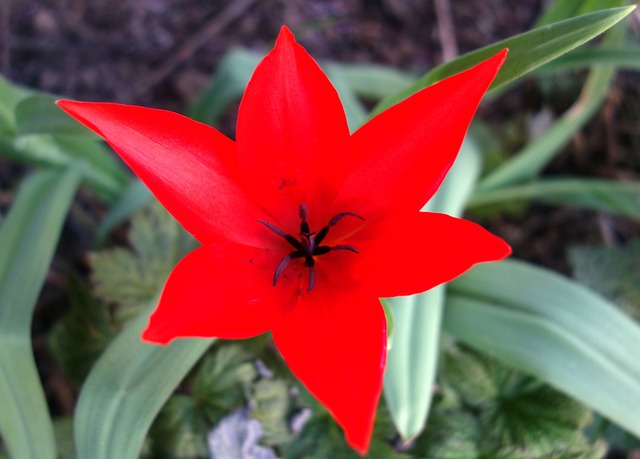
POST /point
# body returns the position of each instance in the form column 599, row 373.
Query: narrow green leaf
column 133, row 199
column 38, row 114
column 28, row 238
column 101, row 170
column 612, row 271
column 229, row 82
column 559, row 10
column 10, row 96
column 414, row 345
column 354, row 110
column 616, row 197
column 372, row 82
column 619, row 57
column 529, row 161
column 527, row 51
column 98, row 165
column 553, row 328
column 126, row 389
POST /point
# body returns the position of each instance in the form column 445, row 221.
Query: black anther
column 308, row 245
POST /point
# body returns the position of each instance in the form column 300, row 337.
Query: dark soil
column 161, row 53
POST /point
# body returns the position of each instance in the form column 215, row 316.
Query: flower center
column 309, row 244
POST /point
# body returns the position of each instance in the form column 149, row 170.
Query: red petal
column 221, row 290
column 291, row 135
column 411, row 254
column 336, row 345
column 187, row 165
column 402, row 155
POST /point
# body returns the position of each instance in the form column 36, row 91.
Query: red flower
column 304, row 226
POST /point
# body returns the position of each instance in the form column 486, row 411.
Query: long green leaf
column 98, row 165
column 620, row 57
column 414, row 345
column 611, row 196
column 370, row 81
column 353, row 108
column 526, row 51
column 559, row 10
column 555, row 329
column 39, row 114
column 125, row 391
column 529, row 161
column 28, row 239
column 10, row 96
column 229, row 82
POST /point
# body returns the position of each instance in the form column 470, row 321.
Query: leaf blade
column 527, row 51
column 553, row 328
column 28, row 238
column 115, row 410
column 413, row 355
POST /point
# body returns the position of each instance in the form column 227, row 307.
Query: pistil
column 308, row 246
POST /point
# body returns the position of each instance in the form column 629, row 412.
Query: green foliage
column 527, row 51
column 321, row 438
column 28, row 238
column 34, row 130
column 612, row 271
column 490, row 411
column 222, row 380
column 130, row 278
column 78, row 339
column 271, row 403
column 180, row 430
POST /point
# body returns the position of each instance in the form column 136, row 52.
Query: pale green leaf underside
column 126, row 389
column 28, row 238
column 554, row 329
column 413, row 355
column 616, row 197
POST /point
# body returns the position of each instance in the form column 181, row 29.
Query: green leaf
column 39, row 114
column 136, row 196
column 414, row 345
column 529, row 161
column 131, row 278
column 221, row 380
column 78, row 339
column 554, row 329
column 565, row 9
column 28, row 238
column 616, row 197
column 99, row 168
column 526, row 51
column 63, row 430
column 518, row 416
column 126, row 389
column 321, row 438
column 370, row 81
column 270, row 406
column 229, row 82
column 180, row 430
column 10, row 96
column 354, row 110
column 614, row 272
column 619, row 57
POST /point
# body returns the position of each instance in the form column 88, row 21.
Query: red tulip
column 304, row 226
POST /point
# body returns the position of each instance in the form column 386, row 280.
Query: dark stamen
column 308, row 245
column 345, row 247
